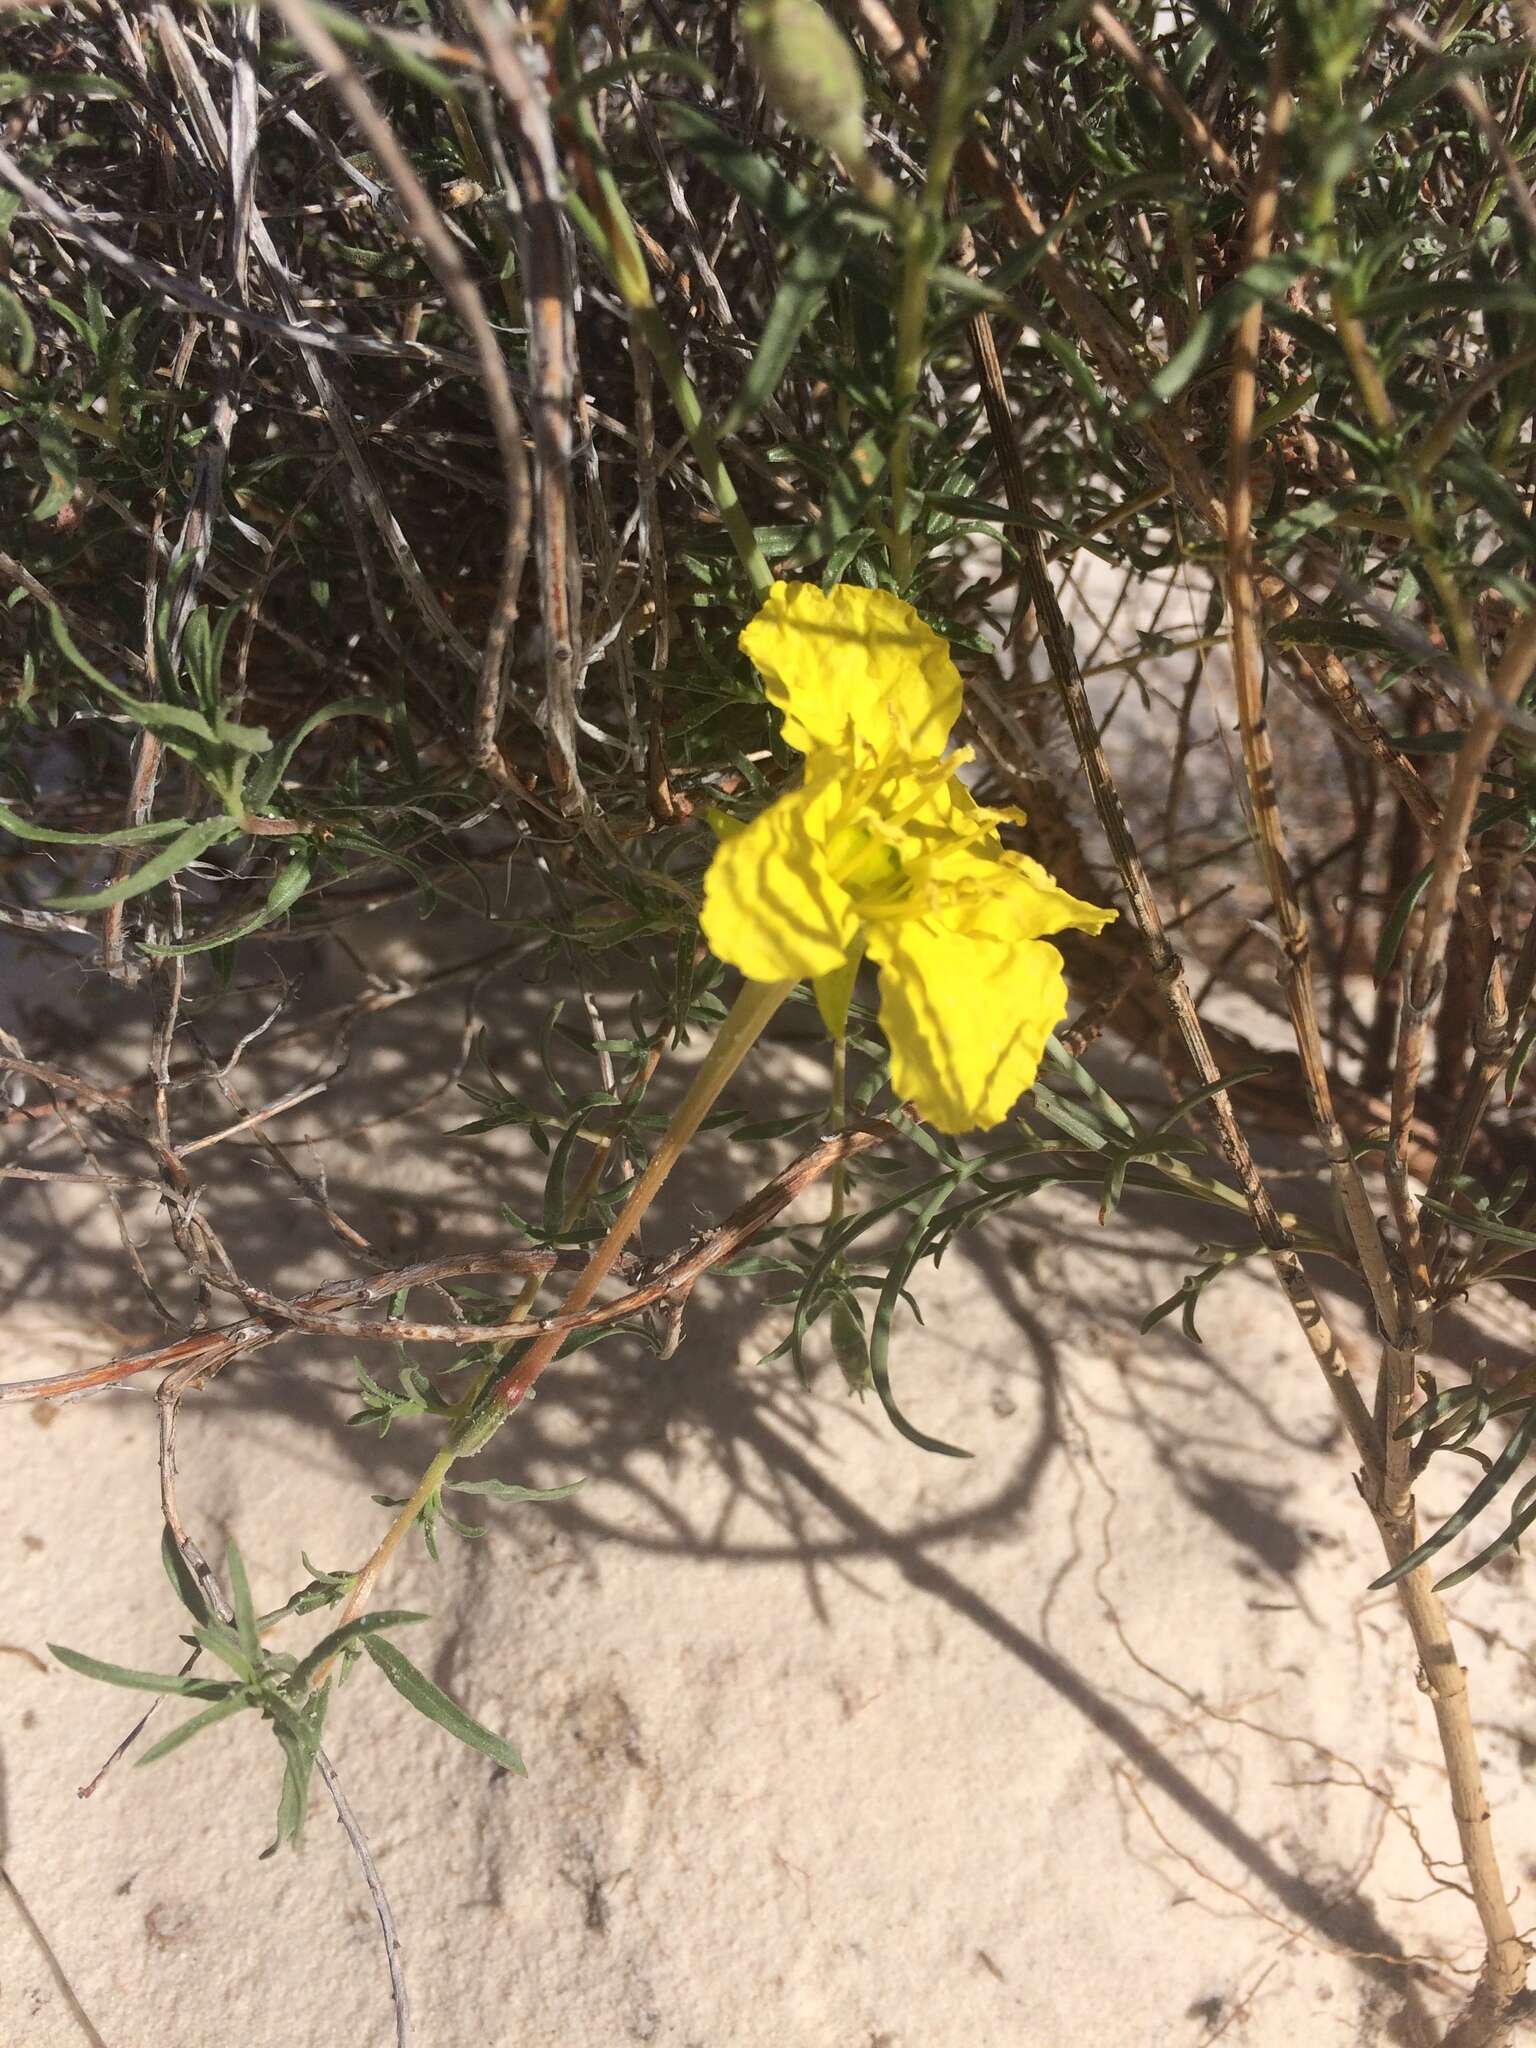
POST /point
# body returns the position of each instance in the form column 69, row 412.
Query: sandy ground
column 829, row 1741
column 1096, row 1737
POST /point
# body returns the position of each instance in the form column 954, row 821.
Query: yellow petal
column 1018, row 899
column 966, row 1017
column 854, row 667
column 771, row 904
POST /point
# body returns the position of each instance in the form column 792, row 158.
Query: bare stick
column 551, row 349
column 442, row 252
column 1258, row 754
column 404, row 2033
column 318, row 1314
column 1166, row 965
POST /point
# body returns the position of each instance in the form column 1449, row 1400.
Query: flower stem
column 598, row 209
column 922, row 238
column 911, row 307
column 684, row 394
column 743, row 1026
column 839, row 1120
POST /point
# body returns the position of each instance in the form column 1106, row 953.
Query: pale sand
column 830, row 1742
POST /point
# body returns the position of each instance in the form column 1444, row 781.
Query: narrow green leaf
column 220, row 1711
column 1390, row 943
column 58, row 454
column 397, row 52
column 802, row 292
column 1425, row 80
column 501, row 1489
column 125, row 835
column 759, row 181
column 1211, row 1088
column 1070, row 1117
column 880, row 1330
column 221, row 1641
column 267, row 779
column 415, row 1687
column 186, row 1588
column 1521, row 1517
column 1478, row 1225
column 171, row 860
column 1499, row 1472
column 622, row 69
column 1428, row 742
column 290, row 884
column 79, row 85
column 299, row 1738
column 350, row 1632
column 18, row 337
column 1114, row 1112
column 1270, row 279
column 1323, row 629
column 140, row 1681
column 1517, row 1064
column 244, row 1606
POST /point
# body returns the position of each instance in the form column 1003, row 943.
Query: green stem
column 923, row 239
column 743, row 1026
column 366, row 1579
column 911, row 306
column 706, row 450
column 608, row 227
column 839, row 1120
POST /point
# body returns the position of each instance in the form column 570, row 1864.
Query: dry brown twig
column 1383, row 1455
column 607, row 563
column 322, row 1311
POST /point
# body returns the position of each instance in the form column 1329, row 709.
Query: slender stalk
column 743, row 1026
column 922, row 235
column 604, row 219
column 911, row 307
column 839, row 1187
column 689, row 408
column 1444, row 1678
column 1163, row 958
column 1424, row 977
column 1258, row 754
column 1404, row 1313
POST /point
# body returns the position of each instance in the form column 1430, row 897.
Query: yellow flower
column 882, row 848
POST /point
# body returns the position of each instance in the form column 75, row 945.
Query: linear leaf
column 428, row 1699
column 350, row 1632
column 501, row 1489
column 267, row 779
column 219, row 1711
column 880, row 1330
column 244, row 1606
column 1499, row 1472
column 140, row 1681
column 125, row 835
column 170, row 861
column 291, row 882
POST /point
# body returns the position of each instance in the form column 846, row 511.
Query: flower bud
column 810, row 73
column 850, row 1348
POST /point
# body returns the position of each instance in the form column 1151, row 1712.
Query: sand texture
column 1097, row 1736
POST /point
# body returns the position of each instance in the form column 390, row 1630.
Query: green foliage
column 292, row 1695
column 253, row 541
